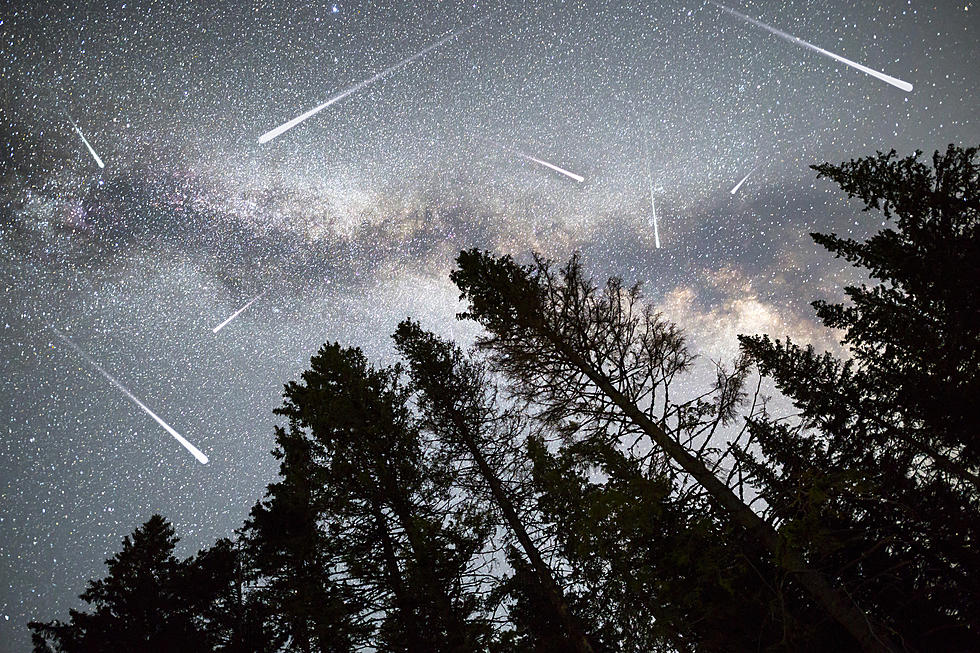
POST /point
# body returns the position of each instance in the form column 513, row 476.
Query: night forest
column 552, row 489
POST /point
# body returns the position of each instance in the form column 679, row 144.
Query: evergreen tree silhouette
column 577, row 350
column 460, row 408
column 878, row 479
column 143, row 604
column 294, row 559
column 386, row 505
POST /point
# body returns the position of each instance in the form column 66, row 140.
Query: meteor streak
column 84, row 140
column 269, row 135
column 88, row 359
column 888, row 79
column 237, row 313
column 571, row 175
column 739, row 184
column 653, row 205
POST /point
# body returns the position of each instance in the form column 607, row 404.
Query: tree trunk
column 837, row 604
column 541, row 570
column 395, row 579
column 453, row 626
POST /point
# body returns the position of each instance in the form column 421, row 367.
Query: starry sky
column 349, row 222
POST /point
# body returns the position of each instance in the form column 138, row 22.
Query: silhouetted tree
column 877, row 480
column 396, row 530
column 461, row 409
column 145, row 603
column 581, row 353
column 294, row 559
column 227, row 609
column 661, row 570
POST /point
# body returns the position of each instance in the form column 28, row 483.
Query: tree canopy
column 559, row 487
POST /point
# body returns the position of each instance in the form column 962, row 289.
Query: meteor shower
column 505, row 327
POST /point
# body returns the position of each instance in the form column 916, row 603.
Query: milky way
column 350, row 222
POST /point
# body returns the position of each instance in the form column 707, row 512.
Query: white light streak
column 551, row 166
column 269, row 135
column 562, row 171
column 653, row 203
column 653, row 206
column 739, row 184
column 85, row 140
column 237, row 313
column 888, row 79
column 177, row 436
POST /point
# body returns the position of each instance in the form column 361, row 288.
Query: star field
column 349, row 221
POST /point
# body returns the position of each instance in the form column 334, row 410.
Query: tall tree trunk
column 415, row 540
column 395, row 579
column 837, row 604
column 541, row 570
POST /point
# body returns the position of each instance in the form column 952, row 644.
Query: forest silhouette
column 554, row 490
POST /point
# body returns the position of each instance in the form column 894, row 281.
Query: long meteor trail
column 653, row 207
column 177, row 436
column 888, row 79
column 562, row 171
column 85, row 140
column 739, row 184
column 269, row 135
column 237, row 313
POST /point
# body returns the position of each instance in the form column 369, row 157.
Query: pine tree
column 878, row 479
column 293, row 558
column 216, row 585
column 391, row 522
column 141, row 605
column 460, row 408
column 580, row 352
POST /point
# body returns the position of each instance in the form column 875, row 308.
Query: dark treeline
column 556, row 489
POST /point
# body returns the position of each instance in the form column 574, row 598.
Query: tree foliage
column 561, row 487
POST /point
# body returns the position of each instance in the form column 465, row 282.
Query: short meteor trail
column 653, row 205
column 739, row 184
column 88, row 359
column 888, row 79
column 562, row 171
column 269, row 135
column 237, row 313
column 84, row 140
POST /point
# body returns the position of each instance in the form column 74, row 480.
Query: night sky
column 350, row 221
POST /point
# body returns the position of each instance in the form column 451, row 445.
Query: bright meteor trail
column 84, row 140
column 268, row 136
column 571, row 175
column 739, row 184
column 888, row 79
column 237, row 313
column 653, row 204
column 187, row 445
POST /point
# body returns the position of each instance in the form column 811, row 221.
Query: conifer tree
column 878, row 479
column 143, row 604
column 293, row 558
column 457, row 400
column 386, row 510
column 576, row 350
